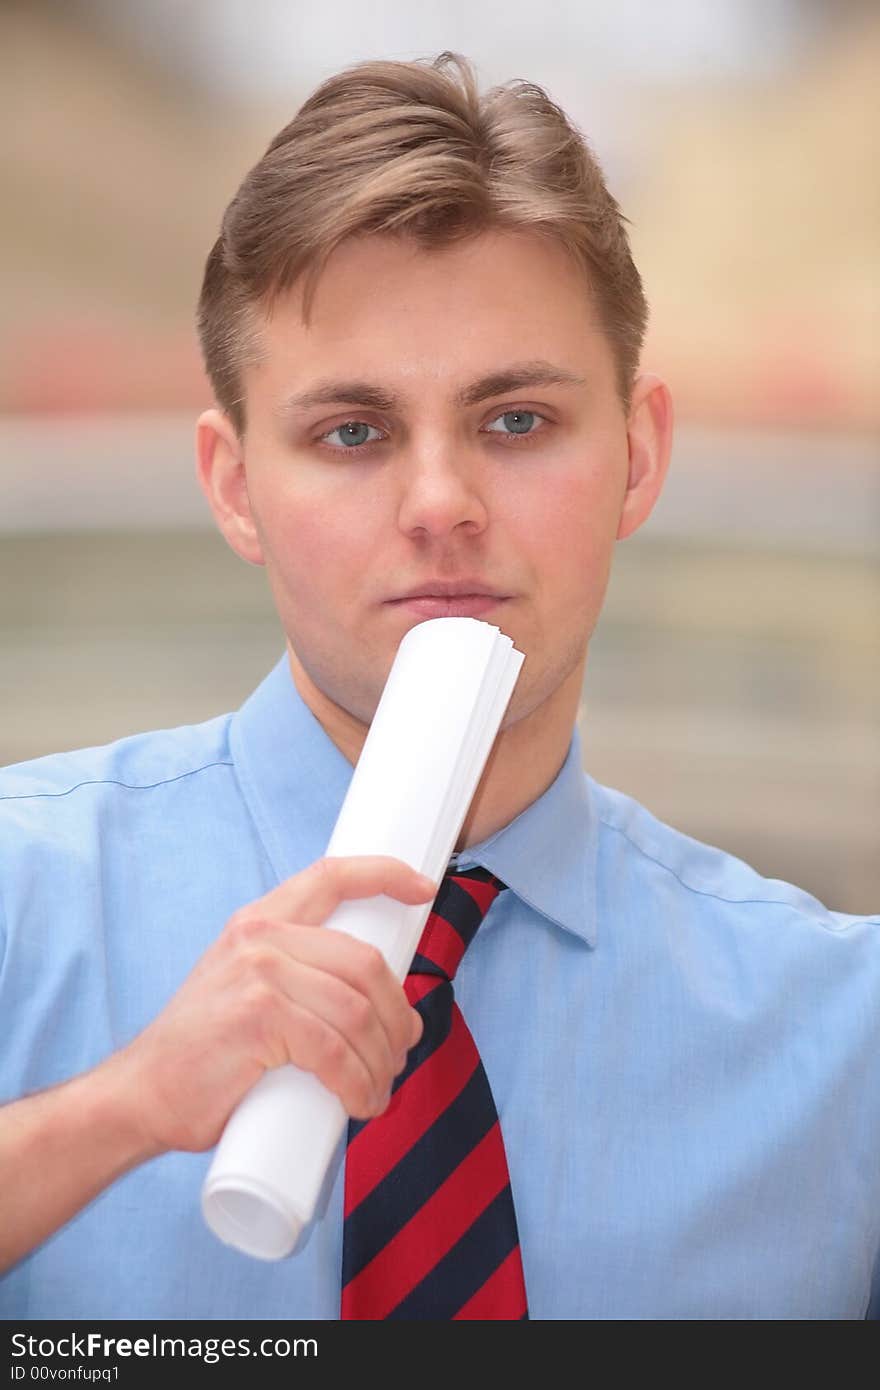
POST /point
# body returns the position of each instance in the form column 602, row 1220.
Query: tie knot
column 462, row 901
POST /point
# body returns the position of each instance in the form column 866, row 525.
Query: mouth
column 467, row 597
column 449, row 605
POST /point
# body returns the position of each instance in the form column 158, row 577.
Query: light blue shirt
column 685, row 1055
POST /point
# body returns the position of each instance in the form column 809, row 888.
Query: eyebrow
column 356, row 392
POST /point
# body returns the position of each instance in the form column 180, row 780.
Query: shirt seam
column 115, row 782
column 705, row 892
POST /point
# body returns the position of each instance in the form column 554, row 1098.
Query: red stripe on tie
column 416, row 987
column 414, row 1107
column 483, row 894
column 503, row 1289
column 419, row 1245
column 441, row 944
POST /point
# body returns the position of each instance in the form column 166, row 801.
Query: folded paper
column 421, row 762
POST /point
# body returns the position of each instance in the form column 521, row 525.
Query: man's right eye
column 352, row 434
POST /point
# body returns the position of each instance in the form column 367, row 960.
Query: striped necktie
column 430, row 1228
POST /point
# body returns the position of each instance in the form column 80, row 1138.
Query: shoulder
column 139, row 762
column 81, row 828
column 696, row 875
column 64, row 803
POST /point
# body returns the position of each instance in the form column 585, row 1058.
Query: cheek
column 568, row 526
column 311, row 542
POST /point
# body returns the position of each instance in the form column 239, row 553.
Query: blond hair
column 412, row 148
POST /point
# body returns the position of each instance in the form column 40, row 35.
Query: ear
column 221, row 474
column 649, row 434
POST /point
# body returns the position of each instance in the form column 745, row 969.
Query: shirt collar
column 294, row 780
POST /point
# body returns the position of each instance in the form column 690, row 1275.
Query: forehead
column 385, row 308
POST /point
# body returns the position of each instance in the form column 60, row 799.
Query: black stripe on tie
column 466, row 1267
column 456, row 906
column 436, row 1011
column 402, row 1192
column 423, row 966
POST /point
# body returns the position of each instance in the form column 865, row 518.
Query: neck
column 526, row 756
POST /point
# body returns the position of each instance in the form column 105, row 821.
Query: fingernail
column 427, row 885
column 399, row 1063
column 384, row 1103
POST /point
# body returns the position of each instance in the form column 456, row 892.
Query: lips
column 449, row 598
column 448, row 606
column 448, row 589
column 438, row 598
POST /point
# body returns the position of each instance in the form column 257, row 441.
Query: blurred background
column 732, row 683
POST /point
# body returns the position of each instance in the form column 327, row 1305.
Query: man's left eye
column 516, row 422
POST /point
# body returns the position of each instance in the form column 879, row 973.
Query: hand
column 272, row 989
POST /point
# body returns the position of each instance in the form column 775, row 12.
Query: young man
column 422, row 323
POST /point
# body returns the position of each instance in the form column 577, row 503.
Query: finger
column 346, row 1010
column 312, row 1044
column 309, row 897
column 275, row 949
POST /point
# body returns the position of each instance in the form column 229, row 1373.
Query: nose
column 440, row 490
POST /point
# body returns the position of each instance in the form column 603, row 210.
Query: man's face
column 519, row 493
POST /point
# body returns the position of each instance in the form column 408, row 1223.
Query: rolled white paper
column 421, row 762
